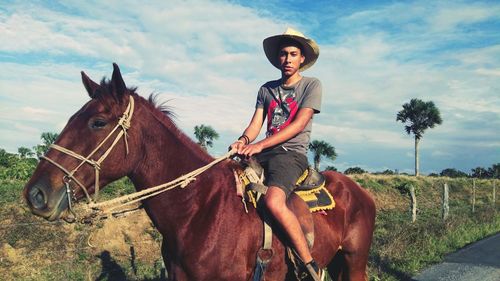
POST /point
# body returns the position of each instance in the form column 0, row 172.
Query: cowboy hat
column 309, row 47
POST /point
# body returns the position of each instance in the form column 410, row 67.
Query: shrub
column 20, row 169
column 453, row 173
column 354, row 170
column 331, row 168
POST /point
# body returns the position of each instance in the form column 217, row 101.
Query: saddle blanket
column 310, row 187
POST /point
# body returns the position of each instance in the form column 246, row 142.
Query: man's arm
column 253, row 129
column 296, row 126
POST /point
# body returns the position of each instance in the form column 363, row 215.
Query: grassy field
column 402, row 248
column 129, row 248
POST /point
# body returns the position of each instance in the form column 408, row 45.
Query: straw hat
column 310, row 48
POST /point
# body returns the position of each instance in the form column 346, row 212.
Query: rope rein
column 109, row 207
column 106, row 207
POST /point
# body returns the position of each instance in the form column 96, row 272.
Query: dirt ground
column 124, row 237
column 34, row 249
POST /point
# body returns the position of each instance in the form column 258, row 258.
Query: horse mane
column 162, row 106
column 160, row 111
column 164, row 114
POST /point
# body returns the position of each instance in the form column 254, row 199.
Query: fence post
column 413, row 204
column 473, row 195
column 494, row 192
column 446, row 206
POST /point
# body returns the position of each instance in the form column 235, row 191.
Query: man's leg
column 282, row 170
column 275, row 199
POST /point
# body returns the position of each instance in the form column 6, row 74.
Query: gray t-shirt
column 281, row 104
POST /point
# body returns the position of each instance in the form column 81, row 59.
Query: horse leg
column 336, row 266
column 166, row 262
column 348, row 266
column 356, row 266
column 356, row 249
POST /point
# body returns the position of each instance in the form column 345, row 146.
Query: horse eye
column 98, row 124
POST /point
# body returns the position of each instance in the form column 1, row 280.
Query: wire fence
column 485, row 199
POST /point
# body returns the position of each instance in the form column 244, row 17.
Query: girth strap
column 264, row 254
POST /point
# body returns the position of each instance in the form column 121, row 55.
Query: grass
column 401, row 248
column 32, row 249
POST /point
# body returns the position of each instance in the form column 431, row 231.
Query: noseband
column 122, row 127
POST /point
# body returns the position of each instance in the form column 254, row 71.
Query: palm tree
column 418, row 116
column 322, row 148
column 205, row 135
column 47, row 138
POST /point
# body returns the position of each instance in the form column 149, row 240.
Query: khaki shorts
column 282, row 168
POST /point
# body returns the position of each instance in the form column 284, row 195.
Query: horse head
column 98, row 135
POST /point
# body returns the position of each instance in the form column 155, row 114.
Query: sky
column 206, row 59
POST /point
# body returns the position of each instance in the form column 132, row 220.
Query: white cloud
column 441, row 154
column 449, row 18
column 349, row 135
column 492, row 72
column 36, row 111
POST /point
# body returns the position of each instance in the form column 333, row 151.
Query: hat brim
column 310, row 48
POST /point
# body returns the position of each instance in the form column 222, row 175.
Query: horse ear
column 90, row 85
column 118, row 83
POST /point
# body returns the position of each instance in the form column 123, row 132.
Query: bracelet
column 247, row 140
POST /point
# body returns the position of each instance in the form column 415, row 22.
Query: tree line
column 22, row 164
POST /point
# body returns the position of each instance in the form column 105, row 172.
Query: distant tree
column 321, row 148
column 433, row 175
column 331, row 168
column 47, row 138
column 418, row 116
column 205, row 135
column 494, row 171
column 453, row 173
column 388, row 172
column 480, row 172
column 24, row 152
column 6, row 158
column 354, row 170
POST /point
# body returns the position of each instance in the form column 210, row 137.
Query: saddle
column 310, row 187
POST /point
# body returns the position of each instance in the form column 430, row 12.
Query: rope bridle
column 106, row 208
column 123, row 125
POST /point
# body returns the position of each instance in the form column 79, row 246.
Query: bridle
column 107, row 207
column 122, row 126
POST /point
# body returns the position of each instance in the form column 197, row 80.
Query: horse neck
column 167, row 153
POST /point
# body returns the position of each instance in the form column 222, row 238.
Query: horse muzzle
column 45, row 202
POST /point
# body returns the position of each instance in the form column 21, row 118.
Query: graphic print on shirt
column 281, row 111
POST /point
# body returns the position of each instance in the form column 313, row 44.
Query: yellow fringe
column 303, row 177
column 310, row 191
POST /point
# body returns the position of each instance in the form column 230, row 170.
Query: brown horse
column 207, row 235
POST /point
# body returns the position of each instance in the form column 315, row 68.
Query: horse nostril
column 37, row 198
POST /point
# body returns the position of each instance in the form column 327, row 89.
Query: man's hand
column 238, row 145
column 251, row 149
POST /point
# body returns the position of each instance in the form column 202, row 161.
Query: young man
column 289, row 104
